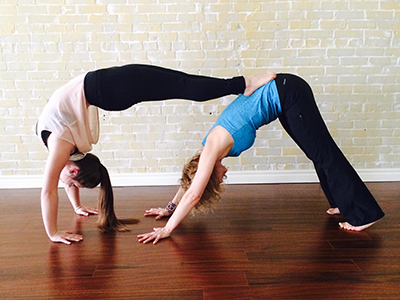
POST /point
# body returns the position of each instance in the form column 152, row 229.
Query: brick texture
column 349, row 52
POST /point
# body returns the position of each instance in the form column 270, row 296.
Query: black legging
column 303, row 122
column 119, row 88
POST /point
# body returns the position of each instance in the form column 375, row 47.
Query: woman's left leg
column 340, row 182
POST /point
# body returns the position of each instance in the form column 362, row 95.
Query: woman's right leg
column 119, row 88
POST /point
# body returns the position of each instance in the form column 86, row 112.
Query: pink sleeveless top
column 70, row 117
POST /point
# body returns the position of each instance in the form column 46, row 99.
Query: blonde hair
column 213, row 190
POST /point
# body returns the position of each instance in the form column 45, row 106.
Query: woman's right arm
column 59, row 152
column 163, row 211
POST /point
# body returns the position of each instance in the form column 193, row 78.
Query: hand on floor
column 86, row 211
column 156, row 235
column 65, row 237
column 158, row 212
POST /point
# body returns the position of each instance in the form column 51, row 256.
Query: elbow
column 193, row 197
column 47, row 194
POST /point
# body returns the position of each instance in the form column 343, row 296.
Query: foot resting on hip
column 253, row 82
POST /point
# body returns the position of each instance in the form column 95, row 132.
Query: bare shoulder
column 59, row 152
column 220, row 141
column 54, row 142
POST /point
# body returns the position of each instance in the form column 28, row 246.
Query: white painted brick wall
column 349, row 52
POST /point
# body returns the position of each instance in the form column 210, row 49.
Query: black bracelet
column 170, row 207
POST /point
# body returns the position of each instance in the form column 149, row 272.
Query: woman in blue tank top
column 290, row 99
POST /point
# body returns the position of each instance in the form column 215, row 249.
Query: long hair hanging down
column 91, row 174
column 213, row 190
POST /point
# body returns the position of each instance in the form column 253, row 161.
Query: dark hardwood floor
column 262, row 242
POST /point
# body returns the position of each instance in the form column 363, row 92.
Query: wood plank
column 261, row 242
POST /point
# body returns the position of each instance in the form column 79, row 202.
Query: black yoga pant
column 341, row 184
column 119, row 88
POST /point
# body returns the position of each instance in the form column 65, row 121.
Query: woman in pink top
column 69, row 126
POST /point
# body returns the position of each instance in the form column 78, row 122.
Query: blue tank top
column 245, row 115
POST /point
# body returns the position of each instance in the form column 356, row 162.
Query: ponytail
column 107, row 220
column 91, row 174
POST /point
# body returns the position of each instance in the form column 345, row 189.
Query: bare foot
column 253, row 82
column 333, row 211
column 347, row 226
